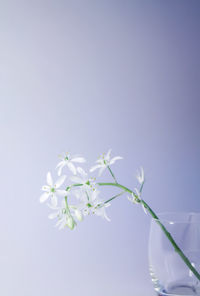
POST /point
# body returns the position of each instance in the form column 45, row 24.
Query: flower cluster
column 81, row 196
column 85, row 190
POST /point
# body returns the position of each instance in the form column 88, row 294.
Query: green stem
column 176, row 247
column 66, row 204
column 154, row 216
column 114, row 197
column 111, row 172
column 117, row 185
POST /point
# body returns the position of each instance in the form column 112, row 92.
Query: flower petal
column 102, row 213
column 71, row 167
column 94, row 196
column 78, row 215
column 101, row 170
column 60, row 168
column 100, row 161
column 61, row 223
column 107, row 157
column 49, row 179
column 95, row 167
column 53, row 215
column 44, row 197
column 60, row 181
column 46, row 188
column 106, row 217
column 78, row 159
column 76, row 179
column 51, row 206
column 115, row 158
column 81, row 172
column 60, row 163
column 54, row 200
column 140, row 175
column 62, row 192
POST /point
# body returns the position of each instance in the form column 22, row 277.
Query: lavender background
column 85, row 76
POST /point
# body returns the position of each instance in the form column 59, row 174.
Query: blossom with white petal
column 140, row 175
column 104, row 161
column 93, row 204
column 68, row 160
column 99, row 210
column 83, row 179
column 63, row 214
column 51, row 189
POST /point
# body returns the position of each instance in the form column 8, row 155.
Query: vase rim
column 178, row 217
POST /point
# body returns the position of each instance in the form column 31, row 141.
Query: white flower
column 64, row 216
column 104, row 161
column 140, row 176
column 99, row 210
column 82, row 178
column 68, row 160
column 93, row 204
column 51, row 190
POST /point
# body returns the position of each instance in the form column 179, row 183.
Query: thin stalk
column 112, row 174
column 66, row 204
column 117, row 185
column 114, row 197
column 154, row 216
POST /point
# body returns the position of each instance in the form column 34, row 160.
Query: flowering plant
column 81, row 197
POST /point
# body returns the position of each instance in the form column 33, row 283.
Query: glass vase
column 169, row 273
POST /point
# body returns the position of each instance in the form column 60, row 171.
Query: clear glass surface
column 169, row 273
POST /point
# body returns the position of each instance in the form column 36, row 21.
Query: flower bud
column 78, row 215
column 70, row 222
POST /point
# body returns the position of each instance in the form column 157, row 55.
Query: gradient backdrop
column 86, row 76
